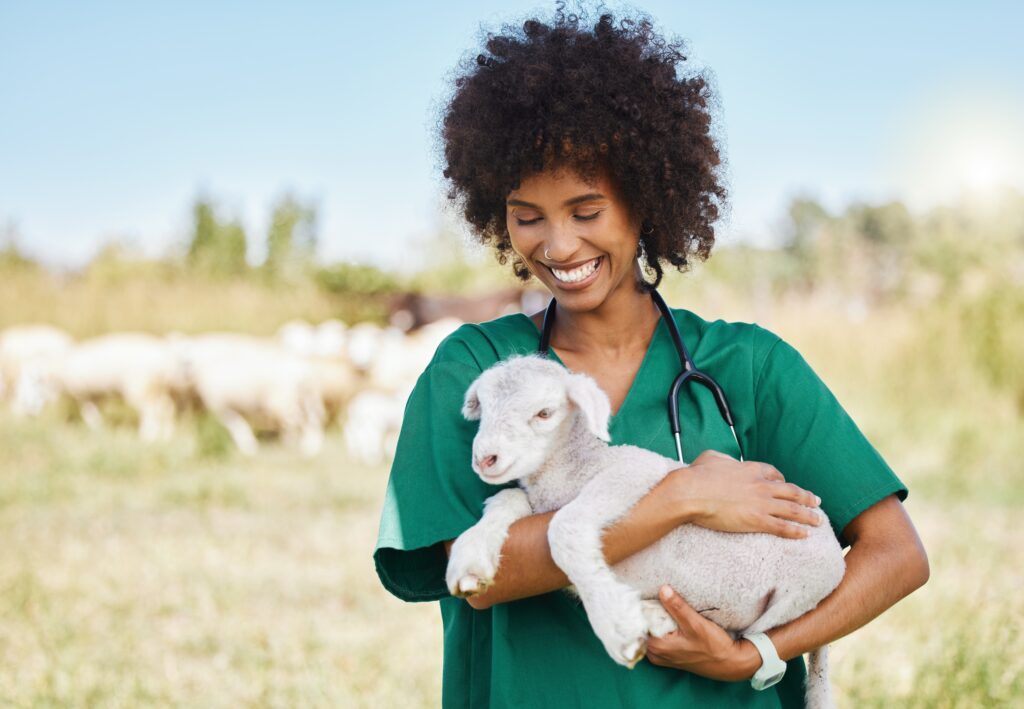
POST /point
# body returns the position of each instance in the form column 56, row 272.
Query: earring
column 647, row 228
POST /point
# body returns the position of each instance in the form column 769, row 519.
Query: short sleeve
column 804, row 432
column 432, row 493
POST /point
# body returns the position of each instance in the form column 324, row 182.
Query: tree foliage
column 216, row 247
column 291, row 240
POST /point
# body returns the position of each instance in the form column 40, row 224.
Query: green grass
column 137, row 576
column 149, row 576
column 182, row 575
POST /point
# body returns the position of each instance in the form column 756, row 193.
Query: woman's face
column 585, row 228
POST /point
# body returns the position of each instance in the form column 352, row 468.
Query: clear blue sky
column 113, row 116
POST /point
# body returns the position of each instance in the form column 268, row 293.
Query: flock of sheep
column 295, row 384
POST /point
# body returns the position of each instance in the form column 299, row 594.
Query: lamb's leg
column 818, row 694
column 613, row 607
column 90, row 414
column 240, row 432
column 659, row 622
column 476, row 553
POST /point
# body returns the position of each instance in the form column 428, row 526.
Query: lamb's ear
column 471, row 404
column 592, row 403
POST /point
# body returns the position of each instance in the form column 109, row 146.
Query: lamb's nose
column 486, row 461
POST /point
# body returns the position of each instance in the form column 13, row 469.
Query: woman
column 580, row 152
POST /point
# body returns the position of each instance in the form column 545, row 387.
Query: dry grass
column 141, row 576
column 86, row 306
column 154, row 576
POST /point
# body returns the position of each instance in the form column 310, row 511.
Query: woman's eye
column 543, row 414
column 587, row 217
column 527, row 222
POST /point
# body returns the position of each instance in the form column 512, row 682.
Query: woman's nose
column 560, row 244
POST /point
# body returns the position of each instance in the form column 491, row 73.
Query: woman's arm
column 886, row 562
column 715, row 491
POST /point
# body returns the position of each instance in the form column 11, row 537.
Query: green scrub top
column 541, row 651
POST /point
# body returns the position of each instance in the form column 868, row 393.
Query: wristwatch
column 772, row 668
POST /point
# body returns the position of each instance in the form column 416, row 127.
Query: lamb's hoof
column 470, row 586
column 634, row 652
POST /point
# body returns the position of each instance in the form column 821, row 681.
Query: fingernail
column 817, row 499
column 667, row 592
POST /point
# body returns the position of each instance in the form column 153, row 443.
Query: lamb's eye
column 543, row 414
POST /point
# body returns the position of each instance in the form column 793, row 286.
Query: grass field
column 181, row 575
column 138, row 575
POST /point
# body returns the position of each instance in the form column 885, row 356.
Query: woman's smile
column 577, row 276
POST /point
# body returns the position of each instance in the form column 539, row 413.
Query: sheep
column 546, row 428
column 391, row 360
column 371, row 431
column 138, row 368
column 323, row 348
column 21, row 349
column 245, row 380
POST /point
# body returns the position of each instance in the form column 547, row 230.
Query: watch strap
column 772, row 668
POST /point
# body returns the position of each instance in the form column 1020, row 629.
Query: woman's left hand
column 700, row 645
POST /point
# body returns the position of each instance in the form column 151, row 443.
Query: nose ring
column 546, row 255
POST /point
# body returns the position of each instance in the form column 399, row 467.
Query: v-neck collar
column 655, row 337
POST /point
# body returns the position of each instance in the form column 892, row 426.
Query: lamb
column 137, row 368
column 547, row 428
column 244, row 380
column 22, row 349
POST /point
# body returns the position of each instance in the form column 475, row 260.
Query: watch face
column 759, row 684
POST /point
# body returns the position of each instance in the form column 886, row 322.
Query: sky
column 115, row 116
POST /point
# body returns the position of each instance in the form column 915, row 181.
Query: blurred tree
column 215, row 248
column 291, row 240
column 11, row 256
column 884, row 234
column 805, row 224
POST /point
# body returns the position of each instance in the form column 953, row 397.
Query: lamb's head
column 528, row 407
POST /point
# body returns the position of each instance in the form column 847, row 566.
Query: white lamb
column 546, row 427
column 22, row 348
column 246, row 381
column 135, row 367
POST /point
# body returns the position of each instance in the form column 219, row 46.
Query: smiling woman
column 578, row 238
column 612, row 104
column 583, row 154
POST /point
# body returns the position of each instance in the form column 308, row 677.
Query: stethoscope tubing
column 689, row 372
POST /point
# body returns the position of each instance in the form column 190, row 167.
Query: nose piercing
column 546, row 255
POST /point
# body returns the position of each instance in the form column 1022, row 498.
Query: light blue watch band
column 772, row 668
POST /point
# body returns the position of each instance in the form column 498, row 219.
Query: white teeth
column 577, row 274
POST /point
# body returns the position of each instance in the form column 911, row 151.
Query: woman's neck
column 625, row 320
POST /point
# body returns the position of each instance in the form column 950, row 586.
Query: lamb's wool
column 543, row 426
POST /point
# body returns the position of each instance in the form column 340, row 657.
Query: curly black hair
column 611, row 100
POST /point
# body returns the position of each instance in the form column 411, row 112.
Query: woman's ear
column 592, row 403
column 471, row 404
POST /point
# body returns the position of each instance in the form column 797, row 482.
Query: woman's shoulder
column 721, row 333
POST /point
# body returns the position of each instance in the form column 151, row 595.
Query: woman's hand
column 725, row 494
column 701, row 646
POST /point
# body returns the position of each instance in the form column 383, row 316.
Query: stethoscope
column 689, row 373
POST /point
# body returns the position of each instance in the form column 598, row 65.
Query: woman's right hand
column 731, row 496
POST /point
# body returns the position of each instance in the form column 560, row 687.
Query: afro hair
column 611, row 99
